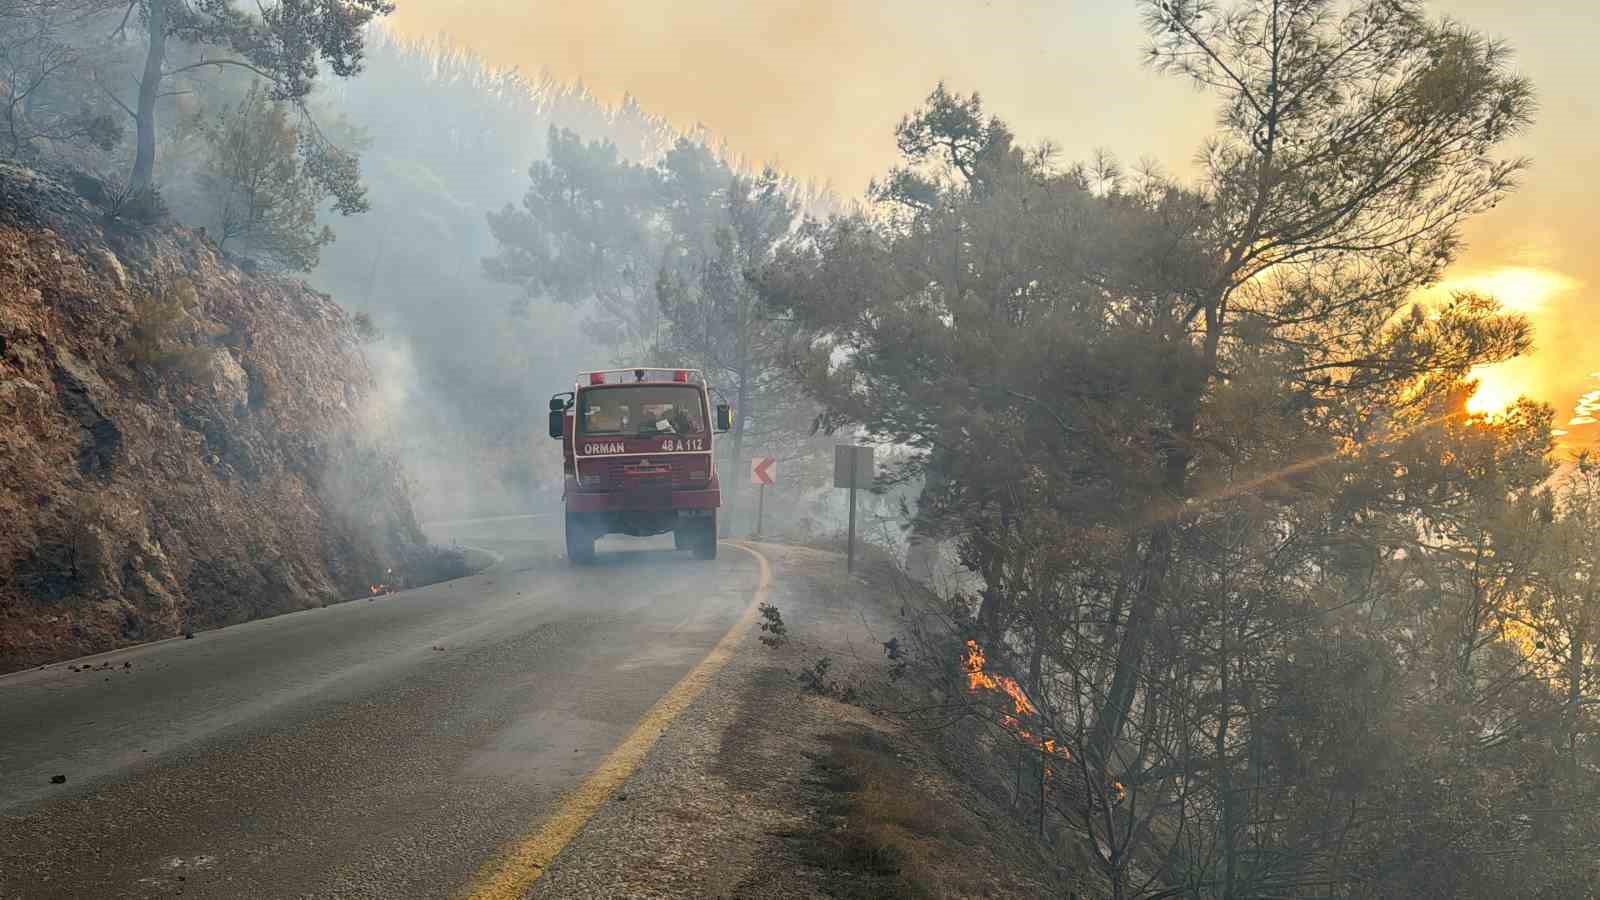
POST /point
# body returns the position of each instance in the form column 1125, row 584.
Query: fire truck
column 636, row 446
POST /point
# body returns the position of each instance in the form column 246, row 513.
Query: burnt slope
column 183, row 443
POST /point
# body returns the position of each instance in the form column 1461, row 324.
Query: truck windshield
column 641, row 411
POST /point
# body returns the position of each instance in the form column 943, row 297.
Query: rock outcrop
column 183, row 444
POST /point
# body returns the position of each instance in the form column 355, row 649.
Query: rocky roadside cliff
column 183, row 444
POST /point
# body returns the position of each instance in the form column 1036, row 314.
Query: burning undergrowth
column 980, row 679
column 955, row 705
column 912, row 788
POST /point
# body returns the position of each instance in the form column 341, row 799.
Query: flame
column 979, row 678
column 384, row 587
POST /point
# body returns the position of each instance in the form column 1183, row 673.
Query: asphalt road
column 367, row 749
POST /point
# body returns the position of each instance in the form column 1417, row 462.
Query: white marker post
column 763, row 471
column 852, row 468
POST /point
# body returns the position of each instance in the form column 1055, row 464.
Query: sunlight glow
column 1523, row 290
column 1519, row 289
column 1496, row 392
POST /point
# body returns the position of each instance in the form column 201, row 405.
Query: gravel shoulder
column 766, row 789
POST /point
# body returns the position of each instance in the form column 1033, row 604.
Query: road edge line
column 514, row 872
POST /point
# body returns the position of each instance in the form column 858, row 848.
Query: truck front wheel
column 580, row 540
column 705, row 538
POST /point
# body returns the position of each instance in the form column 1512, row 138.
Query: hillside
column 183, row 444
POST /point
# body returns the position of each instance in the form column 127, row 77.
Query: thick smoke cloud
column 465, row 366
column 818, row 87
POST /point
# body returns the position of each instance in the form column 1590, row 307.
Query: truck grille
column 640, row 473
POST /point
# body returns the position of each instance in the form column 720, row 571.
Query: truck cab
column 638, row 458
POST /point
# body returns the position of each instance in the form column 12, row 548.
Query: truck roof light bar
column 641, row 376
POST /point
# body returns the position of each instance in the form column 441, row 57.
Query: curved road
column 367, row 749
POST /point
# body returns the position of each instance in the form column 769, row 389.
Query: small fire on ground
column 980, row 679
column 388, row 585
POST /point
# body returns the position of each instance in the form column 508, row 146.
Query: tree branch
column 220, row 63
column 95, row 77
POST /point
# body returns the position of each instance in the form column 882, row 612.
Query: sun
column 1520, row 290
column 1496, row 392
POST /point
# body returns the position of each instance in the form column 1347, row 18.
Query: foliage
column 1255, row 565
column 815, row 680
column 283, row 43
column 775, row 632
column 259, row 193
column 586, row 229
column 47, row 96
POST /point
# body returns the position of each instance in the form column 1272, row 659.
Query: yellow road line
column 513, row 874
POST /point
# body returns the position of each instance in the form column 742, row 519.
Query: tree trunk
column 1572, row 718
column 1113, row 714
column 1224, row 768
column 1118, row 705
column 144, row 160
column 994, row 606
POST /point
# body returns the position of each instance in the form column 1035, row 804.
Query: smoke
column 818, row 86
column 463, row 366
column 473, row 442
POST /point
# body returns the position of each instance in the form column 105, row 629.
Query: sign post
column 763, row 471
column 852, row 468
column 850, row 538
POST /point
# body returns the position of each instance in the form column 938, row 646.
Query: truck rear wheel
column 705, row 537
column 580, row 540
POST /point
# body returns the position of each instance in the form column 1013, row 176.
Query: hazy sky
column 817, row 86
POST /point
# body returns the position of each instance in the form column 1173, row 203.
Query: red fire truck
column 636, row 445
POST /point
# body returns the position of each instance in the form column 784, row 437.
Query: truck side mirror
column 558, row 403
column 724, row 418
column 556, row 415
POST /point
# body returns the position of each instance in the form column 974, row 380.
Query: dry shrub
column 886, row 827
column 162, row 323
column 146, row 207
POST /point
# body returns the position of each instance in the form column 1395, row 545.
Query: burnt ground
column 765, row 788
column 184, row 443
